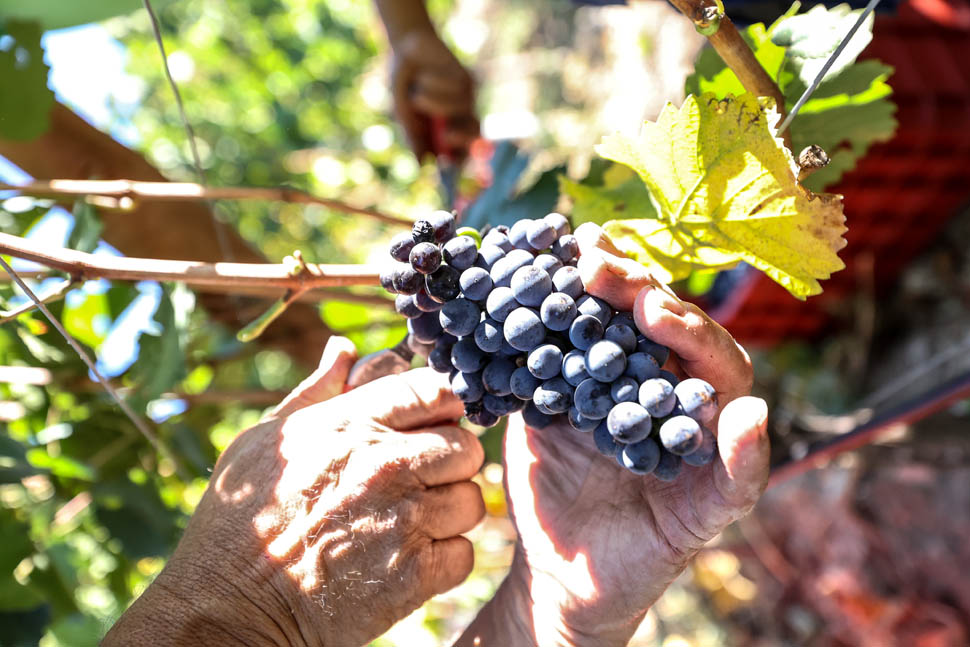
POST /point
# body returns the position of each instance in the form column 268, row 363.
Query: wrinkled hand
column 428, row 81
column 598, row 544
column 326, row 526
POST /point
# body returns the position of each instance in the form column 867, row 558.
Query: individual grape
column 668, row 467
column 488, row 335
column 558, row 310
column 425, row 257
column 657, row 397
column 705, row 453
column 446, row 340
column 535, row 418
column 459, row 317
column 626, row 319
column 460, row 252
column 401, row 245
column 641, row 457
column 545, row 362
column 531, row 285
column 567, row 280
column 422, row 232
column 660, row 352
column 523, row 329
column 443, row 284
column 500, row 303
column 593, row 399
column 406, row 280
column 497, row 376
column 566, row 248
column 579, row 422
column 624, row 389
column 518, row 234
column 507, row 349
column 505, row 267
column 501, row 405
column 541, row 235
column 548, row 262
column 558, row 222
column 590, row 305
column 697, row 399
column 604, row 441
column 387, row 278
column 523, row 383
column 405, row 305
column 481, row 416
column 670, row 377
column 574, row 367
column 419, row 348
column 585, row 331
column 466, row 356
column 488, row 255
column 623, row 335
column 681, row 435
column 425, row 328
column 641, row 367
column 498, row 239
column 629, row 422
column 475, row 283
column 440, row 359
column 424, row 303
column 605, row 361
column 467, row 387
column 554, row 395
column 443, row 223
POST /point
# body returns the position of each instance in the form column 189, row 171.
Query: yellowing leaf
column 726, row 190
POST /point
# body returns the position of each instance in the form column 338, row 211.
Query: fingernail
column 666, row 300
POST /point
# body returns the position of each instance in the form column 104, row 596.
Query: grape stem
column 124, row 195
column 731, row 47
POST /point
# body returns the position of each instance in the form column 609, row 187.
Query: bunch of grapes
column 508, row 317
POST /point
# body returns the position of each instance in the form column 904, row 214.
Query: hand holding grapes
column 598, row 544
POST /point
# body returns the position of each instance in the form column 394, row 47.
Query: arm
column 325, row 526
column 599, row 545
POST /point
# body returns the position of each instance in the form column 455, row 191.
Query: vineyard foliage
column 286, row 92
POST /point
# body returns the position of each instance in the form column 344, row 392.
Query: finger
column 449, row 510
column 410, row 400
column 326, row 381
column 415, row 125
column 741, row 473
column 451, row 562
column 606, row 272
column 445, row 81
column 441, row 455
column 703, row 347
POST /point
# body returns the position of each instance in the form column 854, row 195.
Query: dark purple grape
column 426, row 303
column 425, row 328
column 387, row 279
column 401, row 246
column 681, row 435
column 558, row 310
column 443, row 224
column 466, row 356
column 422, row 232
column 443, row 284
column 518, row 234
column 498, row 239
column 523, row 329
column 548, row 262
column 697, row 399
column 505, row 267
column 481, row 416
column 567, row 280
column 623, row 335
column 459, row 317
column 579, row 422
column 475, row 283
column 574, row 367
column 545, row 362
column 629, row 422
column 460, row 252
column 657, row 397
column 605, row 361
column 497, row 376
column 670, row 377
column 554, row 395
column 660, row 352
column 705, row 453
column 467, row 387
column 585, row 331
column 500, row 303
column 488, row 335
column 624, row 389
column 668, row 467
column 540, row 235
column 604, row 441
column 593, row 399
column 488, row 255
column 566, row 248
column 641, row 457
column 590, row 305
column 405, row 280
column 425, row 257
column 558, row 222
column 523, row 383
column 641, row 367
column 501, row 405
column 531, row 285
column 440, row 359
column 535, row 418
column 421, row 349
column 405, row 305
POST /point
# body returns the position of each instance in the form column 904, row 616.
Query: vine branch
column 80, row 266
column 126, row 193
column 732, row 48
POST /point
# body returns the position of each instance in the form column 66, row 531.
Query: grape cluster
column 508, row 317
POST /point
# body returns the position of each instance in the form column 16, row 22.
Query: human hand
column 325, row 526
column 427, row 81
column 598, row 544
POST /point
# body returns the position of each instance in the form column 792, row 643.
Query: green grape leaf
column 87, row 228
column 810, row 38
column 712, row 75
column 86, row 317
column 25, row 99
column 726, row 190
column 57, row 14
column 161, row 358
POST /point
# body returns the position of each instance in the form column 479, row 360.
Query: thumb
column 741, row 474
column 607, row 272
column 415, row 399
column 325, row 382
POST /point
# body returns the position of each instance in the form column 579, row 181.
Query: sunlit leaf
column 161, row 358
column 87, row 228
column 25, row 99
column 726, row 191
column 810, row 38
column 86, row 317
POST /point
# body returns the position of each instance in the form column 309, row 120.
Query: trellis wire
column 825, row 68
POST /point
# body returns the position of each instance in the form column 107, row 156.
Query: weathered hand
column 428, row 81
column 324, row 527
column 598, row 544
